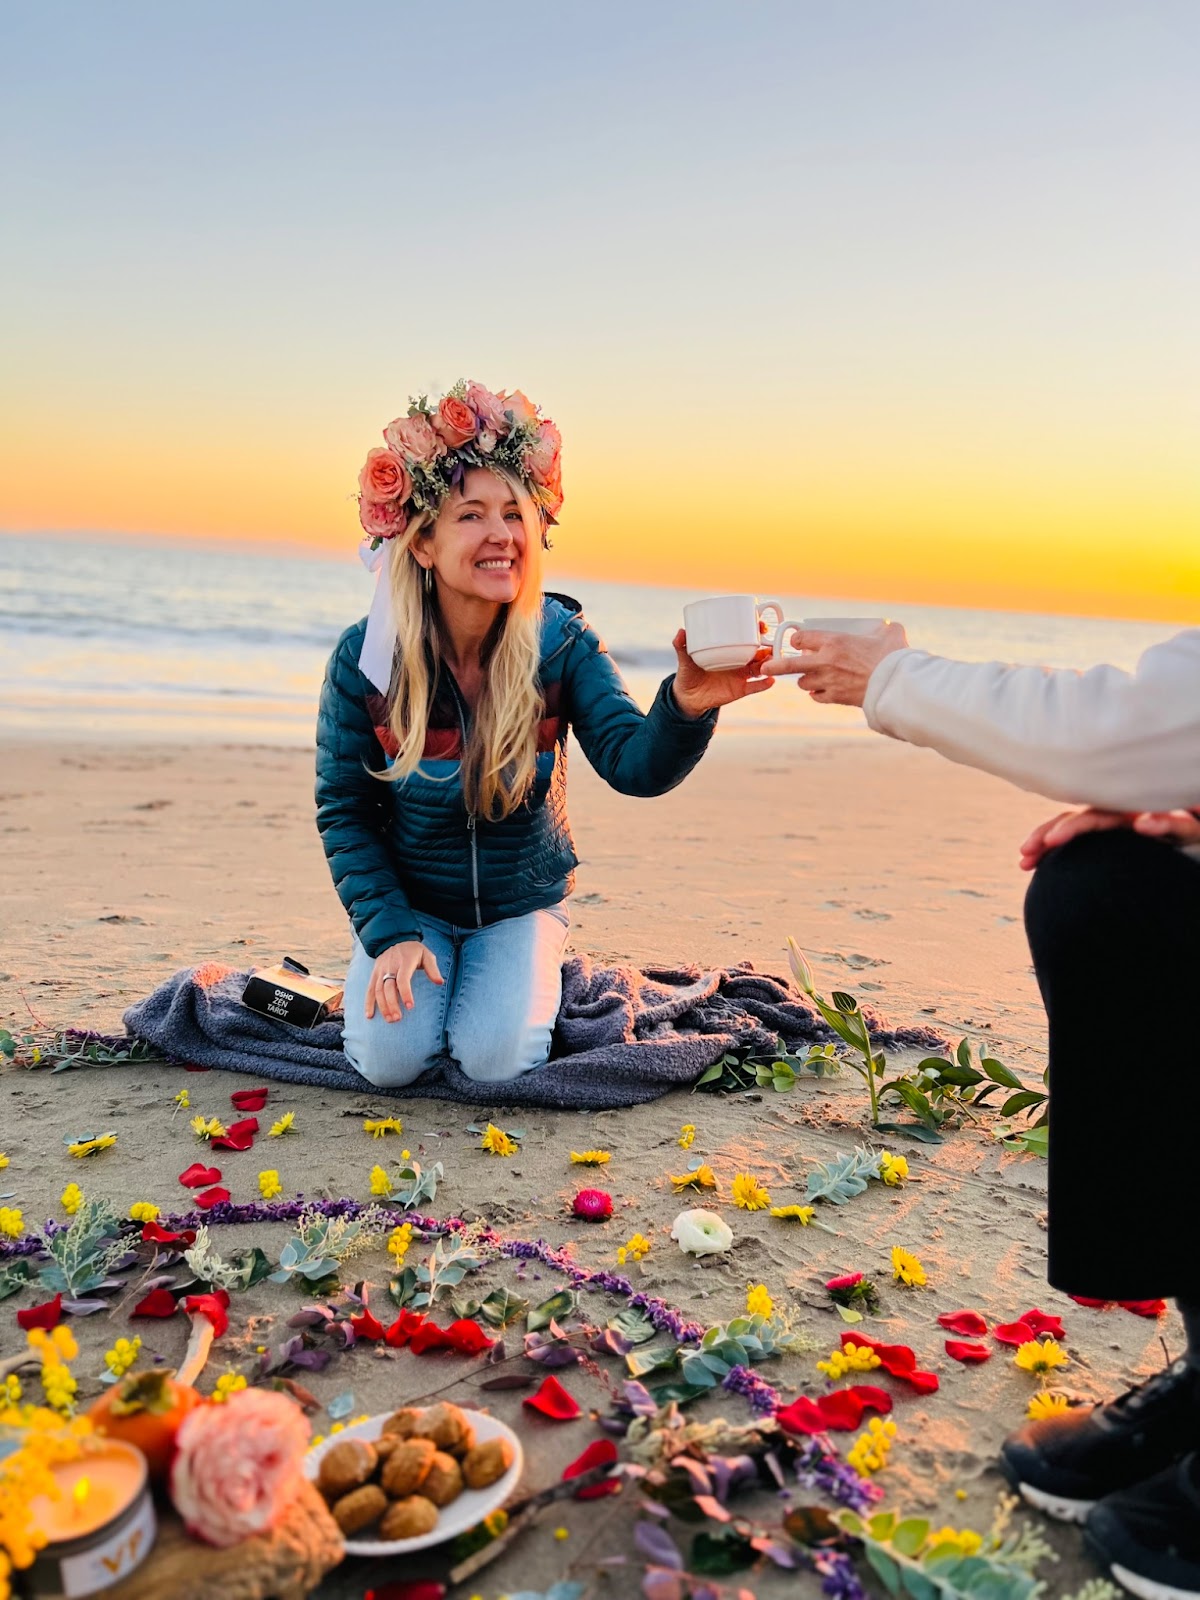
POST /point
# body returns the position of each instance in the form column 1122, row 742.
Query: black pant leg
column 1113, row 921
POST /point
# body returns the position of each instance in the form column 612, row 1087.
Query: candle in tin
column 99, row 1526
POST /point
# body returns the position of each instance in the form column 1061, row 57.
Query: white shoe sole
column 1057, row 1506
column 1147, row 1589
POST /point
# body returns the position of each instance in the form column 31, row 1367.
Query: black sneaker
column 1149, row 1535
column 1063, row 1465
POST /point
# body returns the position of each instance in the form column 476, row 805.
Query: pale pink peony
column 543, row 462
column 413, row 439
column 521, row 406
column 455, row 421
column 384, row 477
column 382, row 519
column 489, row 408
column 238, row 1465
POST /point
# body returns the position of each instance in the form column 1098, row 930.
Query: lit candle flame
column 83, row 1487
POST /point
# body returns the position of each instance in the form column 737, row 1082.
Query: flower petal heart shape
column 600, row 1453
column 1014, row 1333
column 197, row 1176
column 553, row 1401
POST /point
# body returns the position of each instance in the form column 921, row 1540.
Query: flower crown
column 428, row 452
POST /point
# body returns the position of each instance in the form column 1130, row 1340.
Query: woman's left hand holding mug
column 697, row 691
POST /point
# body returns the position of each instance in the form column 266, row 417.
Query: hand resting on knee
column 390, row 984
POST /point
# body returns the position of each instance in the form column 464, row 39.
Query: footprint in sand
column 857, row 962
column 873, row 916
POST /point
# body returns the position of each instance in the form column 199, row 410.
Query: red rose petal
column 802, row 1416
column 1013, row 1333
column 249, row 1099
column 1041, row 1323
column 967, row 1324
column 1144, row 1308
column 1092, row 1305
column 367, row 1326
column 427, row 1337
column 402, row 1330
column 158, row 1303
column 841, row 1410
column 961, row 1350
column 46, row 1316
column 600, row 1453
column 923, row 1382
column 152, row 1233
column 467, row 1337
column 214, row 1306
column 897, row 1360
column 238, row 1135
column 553, row 1401
column 197, row 1176
column 408, row 1589
column 207, row 1198
column 873, row 1399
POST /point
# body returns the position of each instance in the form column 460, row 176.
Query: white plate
column 471, row 1506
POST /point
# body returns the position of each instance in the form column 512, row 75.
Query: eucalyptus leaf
column 14, row 1277
column 502, row 1307
column 660, row 1359
column 634, row 1325
column 558, row 1305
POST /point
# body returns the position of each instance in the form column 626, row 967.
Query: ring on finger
column 388, row 977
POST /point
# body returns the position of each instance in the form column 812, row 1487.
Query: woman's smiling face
column 477, row 546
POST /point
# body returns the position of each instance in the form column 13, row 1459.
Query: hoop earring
column 428, row 580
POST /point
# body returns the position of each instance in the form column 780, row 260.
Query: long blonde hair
column 500, row 752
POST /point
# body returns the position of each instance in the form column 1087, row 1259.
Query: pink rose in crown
column 238, row 1465
column 455, row 421
column 382, row 519
column 489, row 408
column 384, row 477
column 413, row 439
column 521, row 406
column 544, row 457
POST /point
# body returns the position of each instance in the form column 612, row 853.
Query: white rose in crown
column 701, row 1233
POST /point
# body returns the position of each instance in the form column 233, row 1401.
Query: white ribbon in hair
column 379, row 642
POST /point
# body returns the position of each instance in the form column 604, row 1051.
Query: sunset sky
column 895, row 298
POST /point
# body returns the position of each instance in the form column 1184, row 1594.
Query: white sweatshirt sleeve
column 1124, row 741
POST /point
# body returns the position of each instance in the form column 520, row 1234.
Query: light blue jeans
column 494, row 1014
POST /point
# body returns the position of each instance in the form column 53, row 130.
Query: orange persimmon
column 147, row 1410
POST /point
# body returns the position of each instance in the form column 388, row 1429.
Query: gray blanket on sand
column 624, row 1036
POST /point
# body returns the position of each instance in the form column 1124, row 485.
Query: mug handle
column 768, row 605
column 781, row 636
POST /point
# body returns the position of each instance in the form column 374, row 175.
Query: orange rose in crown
column 238, row 1465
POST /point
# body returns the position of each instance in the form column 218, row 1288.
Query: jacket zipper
column 471, row 818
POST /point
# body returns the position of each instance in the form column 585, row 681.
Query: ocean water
column 141, row 640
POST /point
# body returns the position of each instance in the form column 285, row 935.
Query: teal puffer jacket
column 399, row 849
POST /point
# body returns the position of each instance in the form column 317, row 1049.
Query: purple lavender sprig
column 817, row 1468
column 762, row 1396
column 839, row 1580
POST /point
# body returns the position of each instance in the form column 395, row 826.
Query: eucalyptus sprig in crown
column 428, row 451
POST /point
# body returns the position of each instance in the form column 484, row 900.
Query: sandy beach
column 895, row 871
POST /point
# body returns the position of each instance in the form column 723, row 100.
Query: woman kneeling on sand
column 1113, row 914
column 442, row 745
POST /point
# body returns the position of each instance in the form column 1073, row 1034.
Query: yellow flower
column 1041, row 1356
column 850, row 1358
column 12, row 1389
column 590, row 1158
column 801, row 1214
column 183, row 1099
column 377, row 1127
column 284, row 1125
column 701, row 1178
column 758, row 1301
column 380, row 1183
column 1045, row 1403
column 749, row 1193
column 562, row 1533
column 906, row 1268
column 268, row 1183
column 143, row 1211
column 869, row 1452
column 228, row 1383
column 634, row 1249
column 207, row 1128
column 498, row 1142
column 687, row 1135
column 398, row 1242
column 93, row 1147
column 892, row 1169
column 122, row 1356
column 3, row 1161
column 71, row 1199
column 966, row 1543
column 12, row 1222
column 56, row 1346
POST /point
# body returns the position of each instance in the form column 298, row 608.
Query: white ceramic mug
column 728, row 630
column 860, row 625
